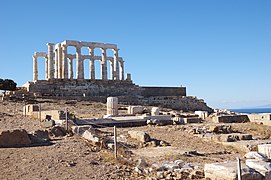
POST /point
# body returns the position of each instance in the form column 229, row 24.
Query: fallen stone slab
column 264, row 168
column 14, row 138
column 140, row 136
column 227, row 171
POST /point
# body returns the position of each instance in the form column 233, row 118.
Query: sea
column 254, row 110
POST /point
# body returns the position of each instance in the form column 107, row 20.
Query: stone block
column 231, row 119
column 192, row 120
column 255, row 155
column 265, row 149
column 140, row 136
column 227, row 171
column 14, row 138
column 135, row 109
column 264, row 168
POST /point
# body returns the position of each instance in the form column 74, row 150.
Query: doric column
column 112, row 74
column 60, row 64
column 35, row 68
column 46, row 68
column 50, row 71
column 71, row 68
column 121, row 70
column 116, row 64
column 56, row 62
column 104, row 65
column 64, row 62
column 79, row 64
column 91, row 63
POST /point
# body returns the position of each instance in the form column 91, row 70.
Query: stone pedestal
column 112, row 106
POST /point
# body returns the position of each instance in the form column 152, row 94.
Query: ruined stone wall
column 163, row 91
column 126, row 91
column 185, row 103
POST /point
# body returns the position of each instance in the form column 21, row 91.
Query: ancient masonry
column 60, row 82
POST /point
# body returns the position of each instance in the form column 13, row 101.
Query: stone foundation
column 126, row 91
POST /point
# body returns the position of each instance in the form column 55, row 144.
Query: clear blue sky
column 219, row 50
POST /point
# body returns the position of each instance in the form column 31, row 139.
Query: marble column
column 112, row 69
column 116, row 64
column 60, row 64
column 104, row 65
column 35, row 68
column 121, row 70
column 64, row 62
column 56, row 63
column 79, row 64
column 46, row 68
column 50, row 56
column 71, row 68
column 91, row 63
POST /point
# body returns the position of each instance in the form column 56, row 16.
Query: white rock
column 260, row 166
column 255, row 155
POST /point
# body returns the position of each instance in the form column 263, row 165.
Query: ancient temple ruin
column 59, row 64
column 60, row 82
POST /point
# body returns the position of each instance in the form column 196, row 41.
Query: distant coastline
column 252, row 110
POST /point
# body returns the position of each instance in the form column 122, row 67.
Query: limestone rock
column 91, row 136
column 14, row 138
column 140, row 136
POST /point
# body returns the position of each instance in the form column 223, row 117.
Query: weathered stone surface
column 227, row 171
column 140, row 136
column 135, row 109
column 230, row 119
column 265, row 149
column 256, row 155
column 90, row 136
column 14, row 138
column 259, row 165
column 192, row 120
